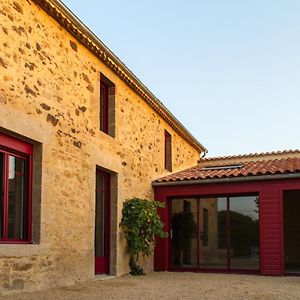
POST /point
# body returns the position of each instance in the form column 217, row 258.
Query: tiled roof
column 247, row 168
column 252, row 155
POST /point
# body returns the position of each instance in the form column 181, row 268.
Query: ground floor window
column 15, row 190
column 215, row 233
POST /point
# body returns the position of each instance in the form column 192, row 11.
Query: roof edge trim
column 226, row 180
column 87, row 38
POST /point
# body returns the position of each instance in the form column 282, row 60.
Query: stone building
column 79, row 134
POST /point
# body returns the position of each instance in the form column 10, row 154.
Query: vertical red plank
column 161, row 250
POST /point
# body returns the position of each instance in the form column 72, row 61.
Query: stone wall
column 49, row 95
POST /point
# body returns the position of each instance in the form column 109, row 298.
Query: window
column 168, row 151
column 15, row 190
column 107, row 106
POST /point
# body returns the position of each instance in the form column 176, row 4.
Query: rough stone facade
column 49, row 96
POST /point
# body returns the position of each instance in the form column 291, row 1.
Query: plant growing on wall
column 141, row 224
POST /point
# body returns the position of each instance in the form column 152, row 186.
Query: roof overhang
column 226, row 180
column 86, row 37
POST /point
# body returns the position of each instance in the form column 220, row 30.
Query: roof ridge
column 291, row 151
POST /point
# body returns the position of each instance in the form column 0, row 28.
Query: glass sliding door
column 291, row 208
column 244, row 233
column 213, row 232
column 183, row 233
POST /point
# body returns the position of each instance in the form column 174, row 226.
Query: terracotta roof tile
column 252, row 155
column 244, row 168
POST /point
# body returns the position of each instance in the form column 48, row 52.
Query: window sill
column 15, row 242
column 20, row 249
column 107, row 134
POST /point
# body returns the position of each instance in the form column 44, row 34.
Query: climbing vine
column 141, row 224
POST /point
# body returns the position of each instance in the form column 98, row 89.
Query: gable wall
column 49, row 95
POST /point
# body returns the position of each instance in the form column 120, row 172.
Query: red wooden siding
column 270, row 230
column 271, row 217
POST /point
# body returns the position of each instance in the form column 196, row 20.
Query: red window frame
column 168, row 151
column 104, row 106
column 17, row 148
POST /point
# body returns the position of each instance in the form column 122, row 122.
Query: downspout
column 203, row 154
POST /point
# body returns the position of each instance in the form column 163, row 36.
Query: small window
column 107, row 106
column 168, row 151
column 15, row 190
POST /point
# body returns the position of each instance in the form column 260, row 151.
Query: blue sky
column 229, row 70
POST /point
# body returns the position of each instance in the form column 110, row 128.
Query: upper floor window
column 107, row 106
column 15, row 190
column 168, row 151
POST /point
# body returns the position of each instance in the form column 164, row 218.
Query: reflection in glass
column 16, row 198
column 291, row 208
column 183, row 236
column 100, row 215
column 244, row 233
column 216, row 233
column 212, row 233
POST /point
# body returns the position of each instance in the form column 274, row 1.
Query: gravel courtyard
column 175, row 286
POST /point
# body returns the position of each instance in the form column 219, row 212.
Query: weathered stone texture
column 49, row 93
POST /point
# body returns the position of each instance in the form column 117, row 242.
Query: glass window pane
column 213, row 233
column 100, row 215
column 102, row 91
column 183, row 238
column 1, row 193
column 244, row 233
column 104, row 107
column 291, row 208
column 168, row 151
column 16, row 198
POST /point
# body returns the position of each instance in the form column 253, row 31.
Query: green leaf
column 141, row 223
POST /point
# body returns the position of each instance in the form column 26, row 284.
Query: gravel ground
column 175, row 286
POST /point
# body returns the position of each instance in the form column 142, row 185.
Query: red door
column 102, row 224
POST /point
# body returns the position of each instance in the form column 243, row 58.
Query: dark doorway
column 102, row 224
column 291, row 206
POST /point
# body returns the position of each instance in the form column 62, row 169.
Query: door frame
column 102, row 264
